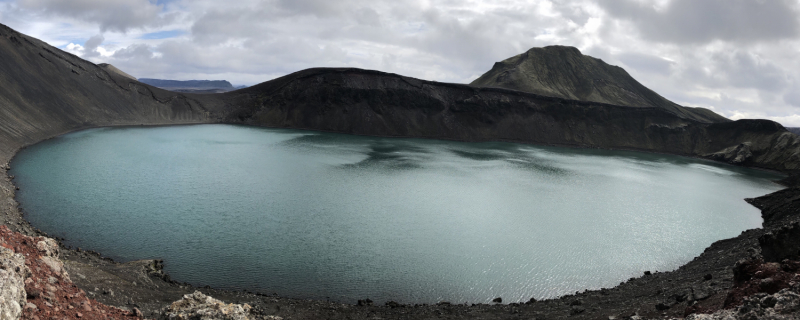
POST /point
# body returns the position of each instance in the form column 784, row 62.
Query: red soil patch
column 751, row 277
column 754, row 276
column 51, row 294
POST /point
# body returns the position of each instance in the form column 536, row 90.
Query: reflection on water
column 392, row 156
column 319, row 215
column 487, row 154
column 711, row 169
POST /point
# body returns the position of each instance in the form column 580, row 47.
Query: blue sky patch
column 161, row 2
column 75, row 41
column 163, row 34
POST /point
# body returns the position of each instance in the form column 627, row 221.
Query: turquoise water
column 319, row 215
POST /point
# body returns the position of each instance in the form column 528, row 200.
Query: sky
column 740, row 58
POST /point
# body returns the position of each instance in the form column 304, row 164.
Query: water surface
column 320, row 215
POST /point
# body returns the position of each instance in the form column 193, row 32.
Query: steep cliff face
column 376, row 103
column 564, row 72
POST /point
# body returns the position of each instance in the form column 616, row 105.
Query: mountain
column 191, row 86
column 560, row 71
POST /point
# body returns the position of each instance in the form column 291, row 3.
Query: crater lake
column 318, row 215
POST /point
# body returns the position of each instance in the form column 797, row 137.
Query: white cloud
column 787, row 121
column 692, row 21
column 109, row 15
column 75, row 49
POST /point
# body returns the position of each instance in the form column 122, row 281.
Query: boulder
column 12, row 283
column 780, row 244
column 202, row 307
column 48, row 248
column 738, row 154
column 784, row 304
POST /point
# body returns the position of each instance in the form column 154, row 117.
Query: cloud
column 452, row 41
column 318, row 8
column 91, row 45
column 788, row 121
column 139, row 52
column 792, row 96
column 645, row 62
column 109, row 15
column 747, row 70
column 728, row 66
column 691, row 21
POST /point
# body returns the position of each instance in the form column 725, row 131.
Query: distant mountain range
column 192, row 86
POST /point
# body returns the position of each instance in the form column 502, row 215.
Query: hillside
column 45, row 92
column 564, row 72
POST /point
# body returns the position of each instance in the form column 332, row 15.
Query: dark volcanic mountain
column 564, row 72
column 191, row 86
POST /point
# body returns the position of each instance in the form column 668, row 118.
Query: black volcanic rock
column 783, row 243
column 560, row 71
column 779, row 206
